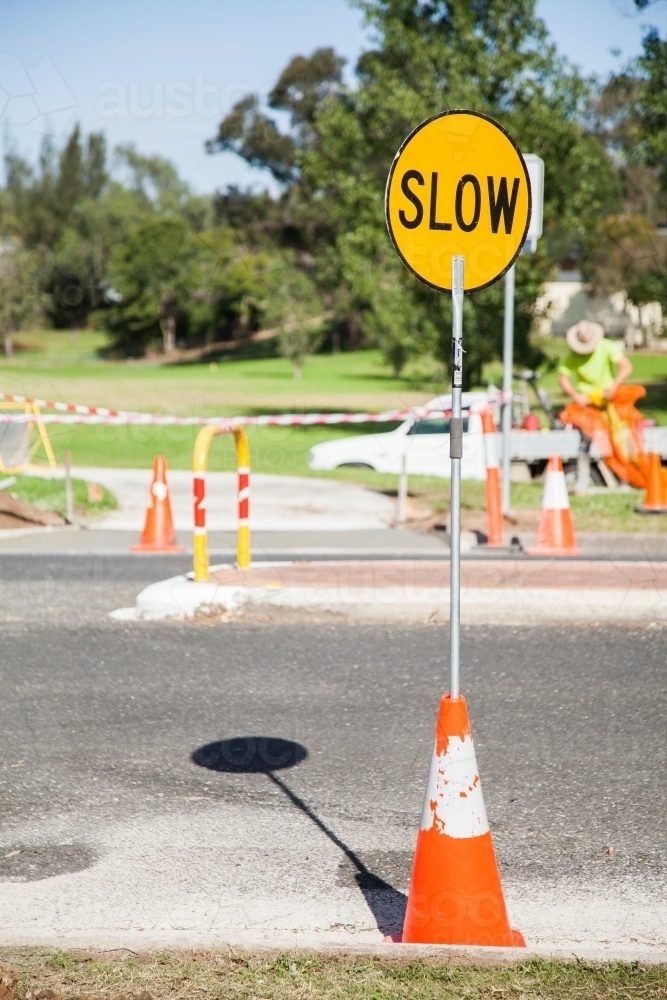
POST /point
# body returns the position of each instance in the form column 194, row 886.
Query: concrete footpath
column 505, row 591
column 278, row 503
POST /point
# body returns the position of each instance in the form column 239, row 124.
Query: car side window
column 435, row 425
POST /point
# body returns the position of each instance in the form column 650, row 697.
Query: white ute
column 424, row 441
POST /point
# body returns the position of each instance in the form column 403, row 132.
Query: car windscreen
column 435, row 425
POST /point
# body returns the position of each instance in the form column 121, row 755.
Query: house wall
column 565, row 302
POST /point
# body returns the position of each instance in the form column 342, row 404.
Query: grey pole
column 402, row 491
column 69, row 498
column 508, row 364
column 456, row 452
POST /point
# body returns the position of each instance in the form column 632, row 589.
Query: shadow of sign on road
column 268, row 754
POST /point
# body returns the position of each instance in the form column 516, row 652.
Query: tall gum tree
column 492, row 56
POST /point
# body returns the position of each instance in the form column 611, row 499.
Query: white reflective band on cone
column 453, row 802
column 555, row 492
column 491, row 451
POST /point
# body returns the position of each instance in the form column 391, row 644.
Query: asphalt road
column 124, row 822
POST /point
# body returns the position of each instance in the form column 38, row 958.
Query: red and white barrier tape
column 47, row 404
column 78, row 414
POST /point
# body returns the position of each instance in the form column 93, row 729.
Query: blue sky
column 162, row 74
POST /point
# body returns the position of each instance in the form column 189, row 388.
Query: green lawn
column 68, row 365
column 605, row 511
column 66, row 368
column 49, row 494
column 279, row 450
column 242, row 976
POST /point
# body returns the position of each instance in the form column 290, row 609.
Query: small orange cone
column 555, row 534
column 494, row 502
column 655, row 501
column 158, row 534
column 455, row 892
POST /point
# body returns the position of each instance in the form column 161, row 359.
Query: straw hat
column 584, row 337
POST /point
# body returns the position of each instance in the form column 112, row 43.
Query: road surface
column 124, row 824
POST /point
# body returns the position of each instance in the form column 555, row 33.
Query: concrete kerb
column 180, row 597
column 303, row 944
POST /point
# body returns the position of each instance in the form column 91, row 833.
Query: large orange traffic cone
column 455, row 892
column 158, row 534
column 655, row 501
column 555, row 534
column 494, row 502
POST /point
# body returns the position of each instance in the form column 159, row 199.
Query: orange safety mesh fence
column 615, row 426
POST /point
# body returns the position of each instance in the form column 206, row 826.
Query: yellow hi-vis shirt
column 588, row 372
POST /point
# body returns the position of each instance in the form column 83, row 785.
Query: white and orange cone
column 158, row 534
column 655, row 499
column 455, row 892
column 555, row 534
column 494, row 503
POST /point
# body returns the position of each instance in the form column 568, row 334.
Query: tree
column 630, row 257
column 150, row 271
column 70, row 206
column 652, row 105
column 21, row 301
column 426, row 56
column 626, row 253
column 156, row 182
column 301, row 89
column 295, row 309
column 42, row 204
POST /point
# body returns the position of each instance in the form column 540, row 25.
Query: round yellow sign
column 458, row 186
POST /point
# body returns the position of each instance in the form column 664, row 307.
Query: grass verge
column 49, row 494
column 45, row 975
column 608, row 511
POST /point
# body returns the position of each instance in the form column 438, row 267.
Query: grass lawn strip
column 49, row 494
column 44, row 975
column 67, row 365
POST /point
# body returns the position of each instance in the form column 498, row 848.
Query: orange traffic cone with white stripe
column 494, row 502
column 655, row 501
column 158, row 534
column 555, row 534
column 455, row 892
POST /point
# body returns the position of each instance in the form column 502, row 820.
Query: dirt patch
column 518, row 520
column 475, row 520
column 268, row 616
column 16, row 513
column 8, row 980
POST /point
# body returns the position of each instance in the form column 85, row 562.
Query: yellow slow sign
column 458, row 186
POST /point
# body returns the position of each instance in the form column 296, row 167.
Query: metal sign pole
column 508, row 365
column 456, row 453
